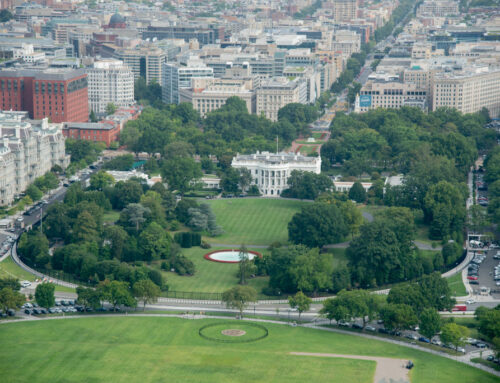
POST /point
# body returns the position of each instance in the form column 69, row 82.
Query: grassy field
column 167, row 349
column 110, row 216
column 8, row 268
column 457, row 285
column 339, row 257
column 210, row 277
column 253, row 221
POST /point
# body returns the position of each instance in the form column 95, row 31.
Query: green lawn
column 253, row 221
column 9, row 268
column 119, row 349
column 210, row 277
column 111, row 216
column 457, row 285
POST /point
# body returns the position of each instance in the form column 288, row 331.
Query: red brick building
column 92, row 131
column 57, row 93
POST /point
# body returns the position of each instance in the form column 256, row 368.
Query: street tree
column 398, row 317
column 430, row 322
column 300, row 301
column 334, row 309
column 88, row 297
column 44, row 295
column 454, row 334
column 117, row 293
column 239, row 297
column 10, row 299
column 146, row 291
column 110, row 108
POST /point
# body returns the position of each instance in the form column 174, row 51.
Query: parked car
column 424, row 339
column 25, row 284
column 481, row 345
column 411, row 336
column 383, row 330
column 370, row 328
column 436, row 342
column 357, row 326
column 28, row 311
column 472, row 277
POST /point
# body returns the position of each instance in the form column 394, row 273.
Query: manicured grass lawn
column 210, row 277
column 111, row 216
column 119, row 349
column 8, row 268
column 308, row 149
column 457, row 285
column 253, row 221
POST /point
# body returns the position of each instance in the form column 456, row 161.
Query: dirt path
column 388, row 370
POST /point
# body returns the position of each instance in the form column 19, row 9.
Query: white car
column 470, row 301
column 25, row 284
column 461, row 349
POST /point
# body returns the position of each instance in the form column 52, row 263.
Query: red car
column 472, row 278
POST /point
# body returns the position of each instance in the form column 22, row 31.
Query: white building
column 109, row 81
column 345, row 186
column 177, row 77
column 27, row 54
column 28, row 150
column 270, row 171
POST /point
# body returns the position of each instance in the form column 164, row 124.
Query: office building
column 275, row 93
column 177, row 77
column 109, row 81
column 56, row 93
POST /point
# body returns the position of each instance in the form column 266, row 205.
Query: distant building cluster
column 440, row 59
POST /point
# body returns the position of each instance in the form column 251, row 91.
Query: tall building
column 56, row 93
column 110, row 82
column 468, row 91
column 270, row 172
column 28, row 150
column 204, row 35
column 275, row 93
column 143, row 61
column 177, row 77
column 342, row 10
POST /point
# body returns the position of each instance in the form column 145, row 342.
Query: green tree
column 110, row 109
column 243, row 265
column 34, row 193
column 398, row 317
column 334, row 309
column 44, row 294
column 154, row 242
column 85, row 228
column 430, row 322
column 357, row 192
column 352, row 217
column 454, row 334
column 477, row 218
column 239, row 297
column 5, row 15
column 117, row 293
column 10, row 299
column 92, row 116
column 311, row 271
column 316, row 225
column 116, row 237
column 101, row 180
column 136, row 213
column 154, row 202
column 300, row 301
column 146, row 291
column 88, row 297
column 306, row 185
column 180, row 172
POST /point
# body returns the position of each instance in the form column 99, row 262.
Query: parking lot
column 485, row 272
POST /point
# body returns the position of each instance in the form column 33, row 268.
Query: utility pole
column 277, row 145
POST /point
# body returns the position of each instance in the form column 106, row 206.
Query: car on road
column 481, row 345
column 25, row 284
column 436, row 342
column 470, row 301
column 370, row 328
